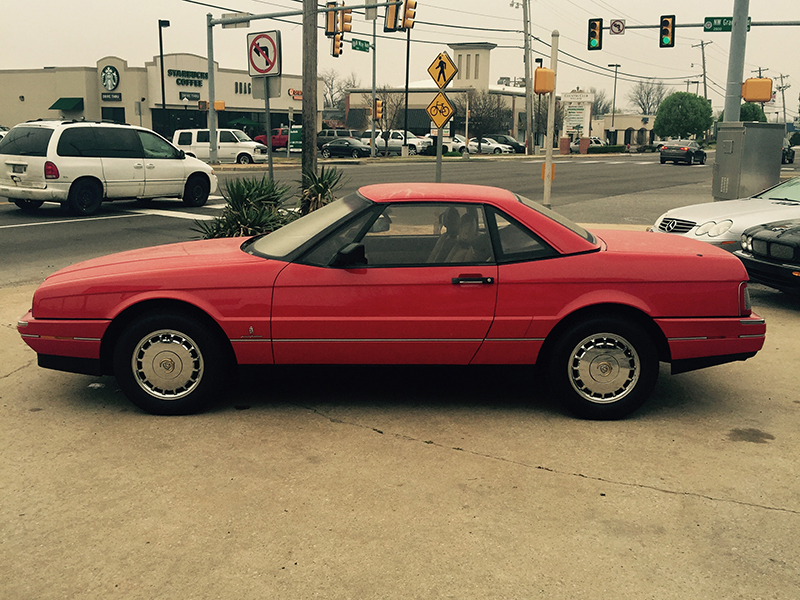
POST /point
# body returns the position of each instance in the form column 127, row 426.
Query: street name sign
column 715, row 24
column 360, row 45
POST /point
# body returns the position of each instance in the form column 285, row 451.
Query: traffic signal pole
column 733, row 86
column 551, row 122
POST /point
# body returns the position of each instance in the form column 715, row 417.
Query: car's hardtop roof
column 53, row 123
column 442, row 192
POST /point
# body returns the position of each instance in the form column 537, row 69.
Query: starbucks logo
column 109, row 77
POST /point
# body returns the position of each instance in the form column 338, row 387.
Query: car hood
column 744, row 212
column 168, row 271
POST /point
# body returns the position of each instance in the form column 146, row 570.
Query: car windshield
column 788, row 191
column 558, row 218
column 26, row 141
column 241, row 136
column 282, row 242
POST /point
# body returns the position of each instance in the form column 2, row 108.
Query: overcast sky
column 78, row 33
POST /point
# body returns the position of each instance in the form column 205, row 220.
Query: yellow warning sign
column 440, row 110
column 442, row 70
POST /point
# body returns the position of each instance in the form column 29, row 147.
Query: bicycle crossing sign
column 442, row 70
column 440, row 110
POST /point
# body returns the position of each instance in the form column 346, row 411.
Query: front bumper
column 781, row 276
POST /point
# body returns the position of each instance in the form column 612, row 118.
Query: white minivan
column 80, row 164
column 233, row 145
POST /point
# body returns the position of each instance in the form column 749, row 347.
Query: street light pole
column 614, row 101
column 162, row 23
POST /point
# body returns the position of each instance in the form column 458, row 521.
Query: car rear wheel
column 244, row 159
column 663, row 161
column 604, row 368
column 28, row 206
column 196, row 191
column 168, row 364
column 326, row 153
column 85, row 198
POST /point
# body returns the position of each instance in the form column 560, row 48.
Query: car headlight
column 705, row 228
column 746, row 243
column 720, row 228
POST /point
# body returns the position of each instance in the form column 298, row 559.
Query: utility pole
column 703, row 45
column 782, row 89
column 551, row 121
column 309, row 135
column 759, row 69
column 529, row 143
column 614, row 102
column 733, row 87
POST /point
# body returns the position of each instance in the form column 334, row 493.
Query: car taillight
column 685, row 148
column 745, row 308
column 51, row 171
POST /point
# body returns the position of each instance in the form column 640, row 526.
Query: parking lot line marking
column 170, row 213
column 83, row 220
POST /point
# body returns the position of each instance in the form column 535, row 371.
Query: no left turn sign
column 264, row 54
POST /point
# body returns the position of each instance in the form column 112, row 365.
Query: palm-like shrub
column 318, row 190
column 254, row 206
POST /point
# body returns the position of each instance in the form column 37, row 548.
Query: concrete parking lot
column 402, row 483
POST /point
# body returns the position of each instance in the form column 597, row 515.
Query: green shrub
column 318, row 190
column 605, row 149
column 253, row 207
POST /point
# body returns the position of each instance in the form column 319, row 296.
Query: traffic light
column 330, row 20
column 390, row 21
column 595, row 41
column 336, row 47
column 345, row 17
column 666, row 38
column 377, row 114
column 409, row 11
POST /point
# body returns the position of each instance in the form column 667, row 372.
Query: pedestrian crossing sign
column 442, row 70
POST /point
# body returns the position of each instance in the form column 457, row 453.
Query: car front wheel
column 168, row 364
column 196, row 191
column 604, row 368
column 244, row 159
column 412, row 150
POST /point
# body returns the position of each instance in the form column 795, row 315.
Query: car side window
column 325, row 252
column 185, row 138
column 78, row 141
column 202, row 137
column 408, row 234
column 155, row 147
column 227, row 137
column 516, row 242
column 118, row 142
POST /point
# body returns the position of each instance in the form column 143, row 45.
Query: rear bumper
column 48, row 193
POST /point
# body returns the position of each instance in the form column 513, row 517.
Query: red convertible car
column 402, row 274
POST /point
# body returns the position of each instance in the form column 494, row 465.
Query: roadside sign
column 440, row 110
column 715, row 24
column 360, row 45
column 442, row 70
column 264, row 53
column 617, row 26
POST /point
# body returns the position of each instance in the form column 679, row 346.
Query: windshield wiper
column 784, row 199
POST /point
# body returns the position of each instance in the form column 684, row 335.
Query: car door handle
column 151, row 166
column 472, row 279
column 138, row 165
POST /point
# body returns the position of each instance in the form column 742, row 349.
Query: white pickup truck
column 416, row 145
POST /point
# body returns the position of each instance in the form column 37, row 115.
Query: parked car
column 413, row 273
column 455, row 143
column 687, row 151
column 328, row 135
column 503, row 138
column 489, row 146
column 787, row 153
column 575, row 146
column 771, row 254
column 279, row 136
column 233, row 146
column 345, row 147
column 722, row 223
column 391, row 142
column 80, row 164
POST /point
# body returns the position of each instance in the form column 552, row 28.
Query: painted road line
column 154, row 212
column 83, row 220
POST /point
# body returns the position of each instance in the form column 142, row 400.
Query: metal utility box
column 748, row 158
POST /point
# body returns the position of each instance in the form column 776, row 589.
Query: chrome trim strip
column 85, row 339
column 752, row 335
column 29, row 335
column 752, row 321
column 682, row 339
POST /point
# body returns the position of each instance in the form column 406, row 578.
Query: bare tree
column 646, row 96
column 336, row 87
column 488, row 113
column 601, row 104
column 393, row 107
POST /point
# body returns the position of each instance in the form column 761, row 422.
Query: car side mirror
column 352, row 255
column 181, row 154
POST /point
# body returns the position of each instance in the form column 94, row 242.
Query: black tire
column 702, row 159
column 326, row 153
column 169, row 364
column 663, row 161
column 412, row 150
column 85, row 197
column 28, row 206
column 497, row 151
column 244, row 159
column 604, row 368
column 356, row 154
column 462, row 150
column 196, row 191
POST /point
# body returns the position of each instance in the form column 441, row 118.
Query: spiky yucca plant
column 318, row 190
column 254, row 206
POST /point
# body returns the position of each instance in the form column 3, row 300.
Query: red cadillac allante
column 402, row 274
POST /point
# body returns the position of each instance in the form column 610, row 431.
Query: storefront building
column 114, row 91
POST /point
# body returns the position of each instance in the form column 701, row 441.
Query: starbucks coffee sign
column 109, row 78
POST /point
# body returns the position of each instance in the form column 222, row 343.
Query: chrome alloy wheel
column 604, row 368
column 167, row 364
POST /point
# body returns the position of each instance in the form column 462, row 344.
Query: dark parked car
column 787, row 154
column 686, row 151
column 771, row 254
column 345, row 147
column 502, row 138
column 328, row 135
